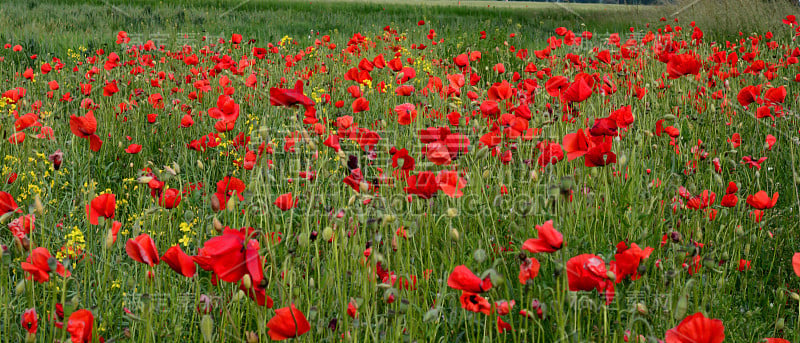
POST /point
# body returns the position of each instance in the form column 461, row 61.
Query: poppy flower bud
column 22, row 243
column 794, row 296
column 681, row 307
column 311, row 283
column 170, row 171
column 176, row 168
column 200, row 165
column 479, row 255
column 37, row 204
column 642, row 309
column 144, row 179
column 611, row 276
column 52, row 263
column 251, row 337
column 454, row 235
column 482, row 153
column 217, row 224
column 207, row 328
column 231, row 204
column 363, row 186
column 739, row 230
column 247, row 282
column 351, row 201
column 675, row 236
column 327, row 233
column 4, row 218
column 204, row 305
column 452, row 212
column 30, row 337
column 20, row 287
column 779, row 325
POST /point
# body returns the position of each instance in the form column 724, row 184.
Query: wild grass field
column 328, row 171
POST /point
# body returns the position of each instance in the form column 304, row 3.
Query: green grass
column 631, row 200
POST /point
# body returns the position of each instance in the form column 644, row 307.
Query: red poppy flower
column 682, row 64
column 181, row 263
column 56, row 159
column 464, row 279
column 729, row 200
column 142, row 249
column 285, row 202
column 423, row 185
column 503, row 326
column 451, row 183
column 550, row 240
column 578, row 91
column 289, row 97
column 289, row 322
column 575, row 144
column 133, row 149
column 227, row 112
column 600, row 155
column 38, row 265
column 551, row 153
column 360, row 105
column 170, row 198
column 103, row 205
column 30, row 322
column 79, row 326
column 749, row 95
column 7, row 204
column 587, row 272
column 85, row 127
column 697, row 329
column 231, row 257
column 475, row 303
column 762, row 200
column 796, row 263
column 529, row 269
column 627, row 259
column 22, row 226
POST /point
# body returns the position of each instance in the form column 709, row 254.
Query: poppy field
column 418, row 179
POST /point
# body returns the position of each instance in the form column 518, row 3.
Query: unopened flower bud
column 216, row 224
column 251, row 337
column 247, row 282
column 454, row 235
column 452, row 212
column 37, row 204
column 207, row 328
